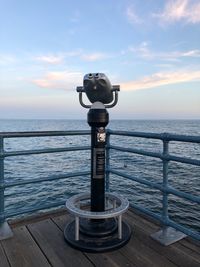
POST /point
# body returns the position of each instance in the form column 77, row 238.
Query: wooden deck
column 39, row 242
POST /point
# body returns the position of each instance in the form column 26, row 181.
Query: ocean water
column 183, row 177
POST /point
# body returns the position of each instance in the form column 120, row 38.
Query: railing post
column 2, row 216
column 167, row 235
column 5, row 231
column 108, row 162
column 165, row 182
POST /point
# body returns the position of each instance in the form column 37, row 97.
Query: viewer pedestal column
column 98, row 118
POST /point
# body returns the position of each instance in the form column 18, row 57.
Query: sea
column 183, row 177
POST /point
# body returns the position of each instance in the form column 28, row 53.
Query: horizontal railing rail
column 157, row 155
column 42, row 133
column 44, row 151
column 161, row 136
column 4, row 154
column 163, row 186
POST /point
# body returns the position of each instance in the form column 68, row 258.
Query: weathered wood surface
column 22, row 250
column 3, row 258
column 40, row 242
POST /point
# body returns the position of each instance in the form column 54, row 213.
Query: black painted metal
column 95, row 244
column 98, row 119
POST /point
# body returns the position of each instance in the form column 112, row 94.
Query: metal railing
column 4, row 154
column 163, row 187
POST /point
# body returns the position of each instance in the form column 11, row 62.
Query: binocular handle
column 115, row 89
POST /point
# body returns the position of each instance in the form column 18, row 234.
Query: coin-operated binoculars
column 100, row 228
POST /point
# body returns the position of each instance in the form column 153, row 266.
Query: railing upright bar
column 2, row 212
column 108, row 162
column 5, row 231
column 165, row 182
column 167, row 235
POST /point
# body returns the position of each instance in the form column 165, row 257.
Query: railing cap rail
column 160, row 136
column 42, row 133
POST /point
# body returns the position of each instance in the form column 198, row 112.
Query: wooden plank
column 148, row 225
column 3, row 259
column 132, row 253
column 192, row 244
column 140, row 246
column 51, row 241
column 184, row 245
column 192, row 253
column 37, row 217
column 139, row 252
column 172, row 252
column 22, row 250
column 109, row 259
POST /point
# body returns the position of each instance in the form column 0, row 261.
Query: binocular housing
column 98, row 88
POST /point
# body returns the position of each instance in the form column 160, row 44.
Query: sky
column 150, row 48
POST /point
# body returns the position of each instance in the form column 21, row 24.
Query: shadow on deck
column 39, row 242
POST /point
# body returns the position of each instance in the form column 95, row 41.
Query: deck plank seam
column 152, row 263
column 84, row 254
column 168, row 257
column 4, row 251
column 189, row 247
column 179, row 246
column 192, row 253
column 40, row 248
column 88, row 258
column 138, row 227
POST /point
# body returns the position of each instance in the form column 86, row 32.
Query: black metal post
column 98, row 118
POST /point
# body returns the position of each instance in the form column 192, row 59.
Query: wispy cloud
column 63, row 80
column 180, row 10
column 79, row 53
column 6, row 59
column 161, row 78
column 145, row 52
column 50, row 59
column 142, row 50
column 93, row 56
column 132, row 16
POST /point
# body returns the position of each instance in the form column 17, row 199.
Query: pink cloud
column 64, row 80
column 161, row 78
column 179, row 10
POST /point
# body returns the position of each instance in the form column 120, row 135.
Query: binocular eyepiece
column 98, row 89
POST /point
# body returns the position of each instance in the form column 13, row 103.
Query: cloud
column 50, row 59
column 161, row 78
column 132, row 17
column 180, row 10
column 93, row 56
column 6, row 59
column 191, row 53
column 63, row 80
column 79, row 53
column 144, row 51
